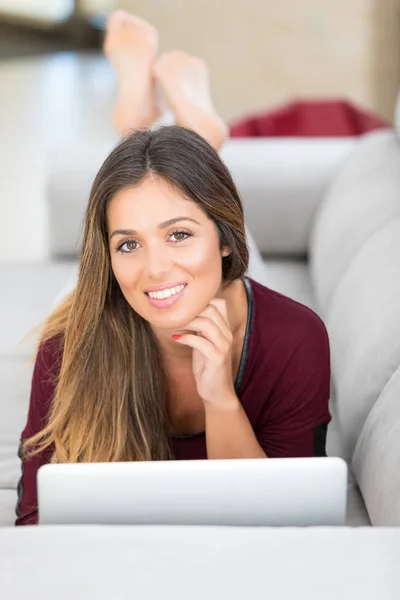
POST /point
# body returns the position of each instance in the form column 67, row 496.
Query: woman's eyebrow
column 162, row 225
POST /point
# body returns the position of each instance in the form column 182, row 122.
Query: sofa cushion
column 291, row 278
column 281, row 183
column 362, row 198
column 364, row 329
column 377, row 457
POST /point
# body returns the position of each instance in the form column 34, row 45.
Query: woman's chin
column 172, row 322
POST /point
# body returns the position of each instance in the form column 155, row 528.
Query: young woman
column 165, row 349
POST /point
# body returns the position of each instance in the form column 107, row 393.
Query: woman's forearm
column 229, row 433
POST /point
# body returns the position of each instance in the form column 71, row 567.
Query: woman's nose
column 157, row 262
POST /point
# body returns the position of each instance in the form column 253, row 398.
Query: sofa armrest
column 281, row 183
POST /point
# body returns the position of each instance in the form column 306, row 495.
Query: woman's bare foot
column 131, row 45
column 185, row 83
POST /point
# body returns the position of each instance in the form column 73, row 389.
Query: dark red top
column 283, row 383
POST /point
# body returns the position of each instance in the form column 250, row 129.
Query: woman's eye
column 180, row 235
column 127, row 247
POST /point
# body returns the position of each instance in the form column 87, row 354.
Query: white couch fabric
column 364, row 329
column 172, row 563
column 362, row 198
column 377, row 457
column 282, row 183
column 354, row 260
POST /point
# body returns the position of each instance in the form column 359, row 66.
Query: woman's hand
column 212, row 354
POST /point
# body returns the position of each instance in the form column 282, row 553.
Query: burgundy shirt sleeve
column 295, row 418
column 43, row 386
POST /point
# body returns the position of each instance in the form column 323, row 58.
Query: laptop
column 246, row 492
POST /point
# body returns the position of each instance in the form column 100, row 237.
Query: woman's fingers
column 204, row 346
column 214, row 312
column 221, row 307
column 213, row 326
column 212, row 331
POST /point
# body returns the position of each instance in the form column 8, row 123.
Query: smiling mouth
column 167, row 293
column 165, row 301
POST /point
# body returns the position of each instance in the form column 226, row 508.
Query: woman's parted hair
column 108, row 405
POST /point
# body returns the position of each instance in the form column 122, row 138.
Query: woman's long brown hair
column 111, row 389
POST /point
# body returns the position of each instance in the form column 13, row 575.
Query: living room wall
column 264, row 52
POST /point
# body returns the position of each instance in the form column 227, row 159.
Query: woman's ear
column 226, row 251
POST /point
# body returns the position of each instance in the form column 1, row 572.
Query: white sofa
column 325, row 215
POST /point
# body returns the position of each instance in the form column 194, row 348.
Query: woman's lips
column 165, row 302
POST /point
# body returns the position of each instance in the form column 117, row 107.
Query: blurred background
column 260, row 52
column 56, row 88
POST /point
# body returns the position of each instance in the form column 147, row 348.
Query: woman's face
column 165, row 253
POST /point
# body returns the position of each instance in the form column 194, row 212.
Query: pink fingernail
column 176, row 337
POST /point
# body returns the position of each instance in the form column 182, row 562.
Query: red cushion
column 309, row 119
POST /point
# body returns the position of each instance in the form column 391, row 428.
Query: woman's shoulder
column 277, row 316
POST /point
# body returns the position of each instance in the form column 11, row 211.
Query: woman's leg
column 184, row 80
column 131, row 45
